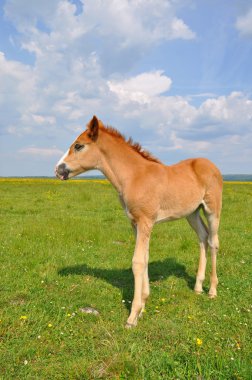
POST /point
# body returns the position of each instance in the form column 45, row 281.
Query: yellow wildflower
column 199, row 342
column 49, row 325
column 23, row 317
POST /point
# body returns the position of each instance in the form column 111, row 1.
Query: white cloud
column 120, row 32
column 244, row 23
column 141, row 88
column 17, row 91
column 176, row 124
column 233, row 110
column 44, row 152
column 137, row 22
column 180, row 30
column 74, row 55
column 25, row 14
column 40, row 119
column 190, row 146
column 141, row 98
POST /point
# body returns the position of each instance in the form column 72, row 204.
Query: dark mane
column 135, row 146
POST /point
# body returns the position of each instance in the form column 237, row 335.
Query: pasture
column 68, row 245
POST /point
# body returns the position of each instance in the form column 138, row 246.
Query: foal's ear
column 93, row 128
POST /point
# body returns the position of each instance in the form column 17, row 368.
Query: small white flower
column 25, row 362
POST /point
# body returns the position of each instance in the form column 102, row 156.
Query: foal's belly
column 181, row 199
column 176, row 213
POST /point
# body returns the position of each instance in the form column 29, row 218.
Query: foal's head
column 82, row 155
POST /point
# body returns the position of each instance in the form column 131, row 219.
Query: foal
column 151, row 192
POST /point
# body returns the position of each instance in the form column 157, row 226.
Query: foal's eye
column 78, row 147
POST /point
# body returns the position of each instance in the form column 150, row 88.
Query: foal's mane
column 133, row 145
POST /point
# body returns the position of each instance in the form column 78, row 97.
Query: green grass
column 68, row 245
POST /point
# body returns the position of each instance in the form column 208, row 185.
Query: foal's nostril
column 62, row 171
column 61, row 168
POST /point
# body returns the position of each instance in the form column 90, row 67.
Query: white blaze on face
column 61, row 161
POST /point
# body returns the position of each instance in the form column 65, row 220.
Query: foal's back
column 196, row 172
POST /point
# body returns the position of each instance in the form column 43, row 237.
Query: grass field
column 65, row 246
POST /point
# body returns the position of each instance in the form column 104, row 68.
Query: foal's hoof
column 198, row 292
column 212, row 296
column 130, row 325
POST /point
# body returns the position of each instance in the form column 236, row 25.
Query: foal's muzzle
column 62, row 172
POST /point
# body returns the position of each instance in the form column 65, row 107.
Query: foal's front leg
column 140, row 271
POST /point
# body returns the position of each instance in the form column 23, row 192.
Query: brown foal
column 151, row 192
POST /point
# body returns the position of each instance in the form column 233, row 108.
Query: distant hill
column 238, row 177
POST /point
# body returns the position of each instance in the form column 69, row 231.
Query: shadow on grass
column 123, row 278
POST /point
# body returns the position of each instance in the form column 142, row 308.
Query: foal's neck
column 119, row 162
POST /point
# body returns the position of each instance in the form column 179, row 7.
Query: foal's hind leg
column 199, row 227
column 213, row 241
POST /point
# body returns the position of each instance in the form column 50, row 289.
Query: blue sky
column 173, row 74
